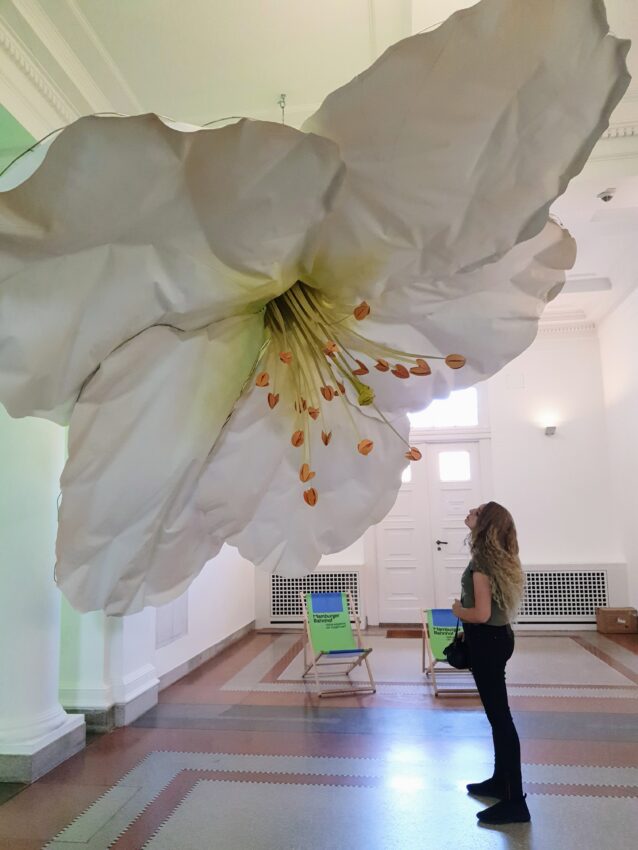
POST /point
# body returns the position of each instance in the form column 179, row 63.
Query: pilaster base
column 26, row 763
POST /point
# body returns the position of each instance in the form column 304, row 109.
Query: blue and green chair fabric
column 332, row 648
column 439, row 627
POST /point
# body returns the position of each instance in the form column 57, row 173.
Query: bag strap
column 456, row 631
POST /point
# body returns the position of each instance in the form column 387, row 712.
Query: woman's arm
column 482, row 610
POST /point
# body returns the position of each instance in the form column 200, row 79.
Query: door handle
column 440, row 543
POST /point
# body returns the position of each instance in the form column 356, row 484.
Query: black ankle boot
column 489, row 788
column 507, row 811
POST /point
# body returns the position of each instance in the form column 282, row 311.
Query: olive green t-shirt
column 498, row 616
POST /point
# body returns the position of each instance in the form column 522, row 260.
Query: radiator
column 285, row 605
column 563, row 596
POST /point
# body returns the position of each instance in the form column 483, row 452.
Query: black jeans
column 490, row 648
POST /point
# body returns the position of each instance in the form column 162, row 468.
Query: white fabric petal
column 252, row 496
column 129, row 223
column 456, row 141
column 130, row 534
column 489, row 316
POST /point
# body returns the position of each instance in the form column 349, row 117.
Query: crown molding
column 567, row 329
column 134, row 104
column 51, row 37
column 621, row 130
column 28, row 92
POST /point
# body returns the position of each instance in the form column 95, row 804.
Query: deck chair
column 331, row 648
column 439, row 625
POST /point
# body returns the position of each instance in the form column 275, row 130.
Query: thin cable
column 281, row 103
column 101, row 115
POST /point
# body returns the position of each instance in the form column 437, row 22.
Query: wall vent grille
column 285, row 605
column 563, row 597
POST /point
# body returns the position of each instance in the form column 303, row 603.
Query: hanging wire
column 227, row 118
column 431, row 27
column 102, row 115
column 281, row 103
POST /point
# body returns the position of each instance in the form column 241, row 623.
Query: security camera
column 606, row 195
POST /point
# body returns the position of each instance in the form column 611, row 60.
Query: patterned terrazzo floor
column 240, row 756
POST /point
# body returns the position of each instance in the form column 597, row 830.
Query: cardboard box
column 615, row 621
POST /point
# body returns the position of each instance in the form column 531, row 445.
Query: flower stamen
column 315, row 339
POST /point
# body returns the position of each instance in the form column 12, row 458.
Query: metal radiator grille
column 563, row 597
column 284, row 592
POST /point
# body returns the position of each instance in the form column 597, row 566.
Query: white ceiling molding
column 571, row 329
column 134, row 104
column 621, row 130
column 28, row 92
column 586, row 283
column 51, row 37
column 565, row 321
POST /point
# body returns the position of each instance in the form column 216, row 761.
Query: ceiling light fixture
column 281, row 103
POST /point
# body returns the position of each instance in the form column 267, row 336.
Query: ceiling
column 202, row 60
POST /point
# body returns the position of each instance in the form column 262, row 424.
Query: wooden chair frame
column 431, row 669
column 324, row 666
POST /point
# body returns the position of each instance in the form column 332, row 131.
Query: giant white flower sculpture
column 236, row 320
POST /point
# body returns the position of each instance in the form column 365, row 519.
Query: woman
column 491, row 589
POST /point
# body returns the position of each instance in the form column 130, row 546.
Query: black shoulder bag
column 457, row 653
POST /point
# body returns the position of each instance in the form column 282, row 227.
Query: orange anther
column 273, row 399
column 305, row 473
column 365, row 447
column 262, row 379
column 400, row 371
column 286, row 357
column 361, row 311
column 342, row 388
column 327, row 392
column 362, row 370
column 421, row 368
column 331, row 349
column 413, row 454
column 297, row 439
column 310, row 496
column 455, row 361
column 314, row 412
column 382, row 365
column 326, row 437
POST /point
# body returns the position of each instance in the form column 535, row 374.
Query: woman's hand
column 457, row 608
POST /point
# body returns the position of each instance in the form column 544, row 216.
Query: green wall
column 13, row 138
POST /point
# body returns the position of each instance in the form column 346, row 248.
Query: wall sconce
column 548, row 420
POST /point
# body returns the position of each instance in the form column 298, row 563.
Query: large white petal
column 456, row 141
column 489, row 315
column 129, row 223
column 130, row 534
column 252, row 496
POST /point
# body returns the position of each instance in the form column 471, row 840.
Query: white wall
column 619, row 356
column 114, row 660
column 221, row 601
column 558, row 488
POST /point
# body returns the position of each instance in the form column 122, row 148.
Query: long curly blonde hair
column 494, row 548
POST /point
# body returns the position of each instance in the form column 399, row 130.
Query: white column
column 107, row 666
column 36, row 734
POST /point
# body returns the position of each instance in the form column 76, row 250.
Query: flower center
column 315, row 338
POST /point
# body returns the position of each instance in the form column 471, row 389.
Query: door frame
column 422, row 438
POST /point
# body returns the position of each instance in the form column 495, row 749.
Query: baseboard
column 186, row 667
column 554, row 627
column 135, row 696
column 28, row 767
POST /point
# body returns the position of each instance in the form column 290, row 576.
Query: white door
column 414, row 571
column 454, row 486
column 404, row 567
